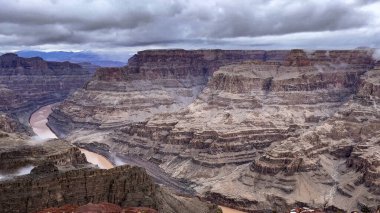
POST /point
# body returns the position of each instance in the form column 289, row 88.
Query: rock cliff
column 9, row 124
column 161, row 81
column 256, row 129
column 125, row 186
column 36, row 174
column 26, row 83
column 18, row 151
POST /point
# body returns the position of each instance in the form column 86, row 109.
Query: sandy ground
column 38, row 122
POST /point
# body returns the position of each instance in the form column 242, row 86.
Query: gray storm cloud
column 101, row 24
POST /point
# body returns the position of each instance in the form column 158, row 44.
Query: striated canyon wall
column 125, row 186
column 36, row 174
column 256, row 130
column 26, row 83
column 161, row 81
column 18, row 150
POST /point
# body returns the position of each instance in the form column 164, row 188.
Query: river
column 38, row 122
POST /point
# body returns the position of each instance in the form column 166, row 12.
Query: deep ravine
column 38, row 122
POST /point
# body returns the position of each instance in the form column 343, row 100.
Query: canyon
column 252, row 130
column 38, row 172
column 187, row 130
column 38, row 121
column 29, row 83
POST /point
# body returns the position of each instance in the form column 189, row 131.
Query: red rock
column 100, row 207
column 103, row 207
column 65, row 208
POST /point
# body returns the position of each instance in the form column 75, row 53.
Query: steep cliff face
column 19, row 151
column 10, row 125
column 125, row 186
column 265, row 130
column 26, row 83
column 161, row 81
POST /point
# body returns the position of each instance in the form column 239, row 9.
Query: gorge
column 41, row 171
column 254, row 130
column 38, row 122
column 190, row 106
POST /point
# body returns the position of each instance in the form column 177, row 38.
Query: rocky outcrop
column 273, row 128
column 27, row 83
column 19, row 151
column 125, row 186
column 44, row 168
column 369, row 85
column 11, row 125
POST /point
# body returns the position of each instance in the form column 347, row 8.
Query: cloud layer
column 120, row 25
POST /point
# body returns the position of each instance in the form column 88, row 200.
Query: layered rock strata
column 10, row 124
column 161, row 81
column 263, row 130
column 125, row 186
column 18, row 151
column 37, row 174
column 27, row 83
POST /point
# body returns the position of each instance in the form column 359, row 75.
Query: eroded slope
column 291, row 128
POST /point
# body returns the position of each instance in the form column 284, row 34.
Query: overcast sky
column 118, row 26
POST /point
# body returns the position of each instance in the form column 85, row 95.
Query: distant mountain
column 75, row 57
